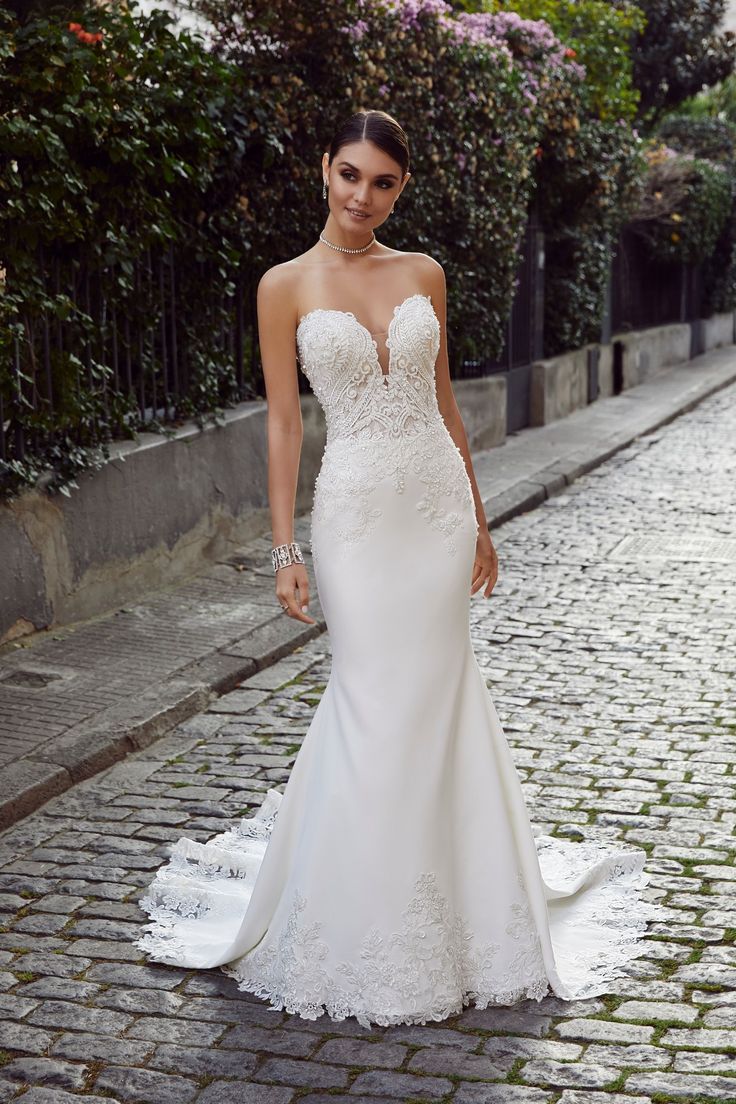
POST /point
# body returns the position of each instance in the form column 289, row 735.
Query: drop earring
column 324, row 188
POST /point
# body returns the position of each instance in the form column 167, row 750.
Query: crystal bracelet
column 285, row 554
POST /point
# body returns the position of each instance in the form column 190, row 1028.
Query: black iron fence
column 523, row 343
column 182, row 341
column 642, row 292
column 646, row 292
column 176, row 343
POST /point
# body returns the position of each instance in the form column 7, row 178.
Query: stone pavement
column 609, row 647
column 73, row 701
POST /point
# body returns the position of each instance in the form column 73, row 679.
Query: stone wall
column 162, row 507
column 559, row 385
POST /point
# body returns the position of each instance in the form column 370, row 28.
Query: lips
column 356, row 214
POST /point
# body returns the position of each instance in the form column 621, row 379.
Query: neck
column 335, row 234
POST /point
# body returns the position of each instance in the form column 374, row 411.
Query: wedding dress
column 397, row 876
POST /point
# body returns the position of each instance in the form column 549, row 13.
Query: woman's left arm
column 485, row 568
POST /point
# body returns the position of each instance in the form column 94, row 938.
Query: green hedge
column 120, row 144
column 710, row 220
column 133, row 157
column 591, row 164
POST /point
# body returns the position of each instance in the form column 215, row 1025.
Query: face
column 363, row 184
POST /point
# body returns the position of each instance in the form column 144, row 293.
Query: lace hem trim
column 339, row 1009
column 433, row 965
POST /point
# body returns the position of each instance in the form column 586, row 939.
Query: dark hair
column 378, row 127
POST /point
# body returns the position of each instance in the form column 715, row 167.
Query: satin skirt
column 396, row 878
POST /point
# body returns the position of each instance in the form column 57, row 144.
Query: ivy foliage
column 705, row 149
column 590, row 163
column 132, row 157
column 683, row 206
column 461, row 99
column 585, row 199
column 496, row 107
column 106, row 170
column 705, row 126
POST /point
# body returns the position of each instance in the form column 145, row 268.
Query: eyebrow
column 388, row 176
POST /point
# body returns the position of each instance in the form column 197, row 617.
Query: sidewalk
column 74, row 701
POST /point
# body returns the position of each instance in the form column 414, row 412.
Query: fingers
column 492, row 580
column 487, row 575
column 297, row 614
column 293, row 609
column 294, row 601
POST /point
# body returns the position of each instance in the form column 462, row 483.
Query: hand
column 485, row 568
column 292, row 591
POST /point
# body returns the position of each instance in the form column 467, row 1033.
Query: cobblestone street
column 609, row 647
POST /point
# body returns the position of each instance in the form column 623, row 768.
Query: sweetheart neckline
column 397, row 308
column 359, row 324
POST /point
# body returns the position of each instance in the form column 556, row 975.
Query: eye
column 382, row 183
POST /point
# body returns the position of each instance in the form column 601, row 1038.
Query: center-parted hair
column 378, row 127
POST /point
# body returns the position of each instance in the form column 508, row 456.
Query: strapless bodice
column 340, row 359
column 384, row 430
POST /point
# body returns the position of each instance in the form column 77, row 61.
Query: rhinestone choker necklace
column 344, row 248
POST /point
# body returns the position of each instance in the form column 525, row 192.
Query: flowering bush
column 590, row 163
column 104, row 170
column 476, row 93
column 684, row 204
column 599, row 35
column 107, row 168
column 87, row 37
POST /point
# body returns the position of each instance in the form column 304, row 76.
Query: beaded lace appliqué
column 381, row 426
column 203, row 881
column 428, row 969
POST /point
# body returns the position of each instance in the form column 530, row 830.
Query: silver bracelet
column 284, row 554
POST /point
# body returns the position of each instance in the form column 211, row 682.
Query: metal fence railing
column 524, row 331
column 178, row 344
column 151, row 356
column 646, row 292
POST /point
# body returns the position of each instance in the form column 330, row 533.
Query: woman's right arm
column 285, row 430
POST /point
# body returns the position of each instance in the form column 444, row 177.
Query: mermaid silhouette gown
column 397, row 876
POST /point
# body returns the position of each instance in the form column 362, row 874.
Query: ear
column 405, row 181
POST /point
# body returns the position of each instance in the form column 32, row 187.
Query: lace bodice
column 340, row 359
column 381, row 426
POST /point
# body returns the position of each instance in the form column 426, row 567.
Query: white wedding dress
column 397, row 876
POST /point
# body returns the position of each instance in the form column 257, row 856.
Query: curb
column 527, row 494
column 89, row 748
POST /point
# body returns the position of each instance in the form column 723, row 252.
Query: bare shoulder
column 279, row 276
column 278, row 289
column 428, row 273
column 424, row 262
column 426, row 269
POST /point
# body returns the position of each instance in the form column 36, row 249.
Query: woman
column 397, row 877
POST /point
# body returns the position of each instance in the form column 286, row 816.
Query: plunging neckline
column 387, row 331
